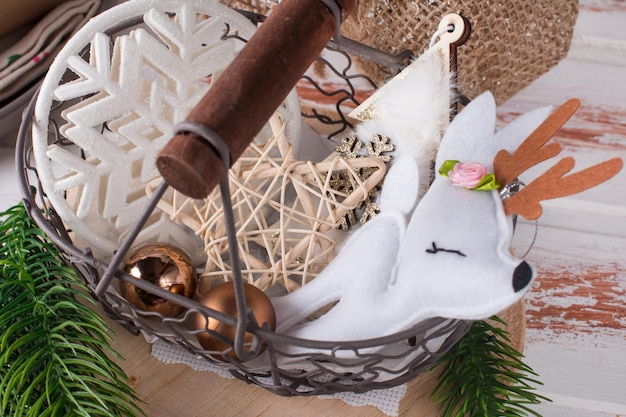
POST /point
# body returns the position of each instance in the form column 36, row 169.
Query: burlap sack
column 513, row 42
column 256, row 6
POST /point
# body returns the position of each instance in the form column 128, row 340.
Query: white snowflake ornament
column 116, row 90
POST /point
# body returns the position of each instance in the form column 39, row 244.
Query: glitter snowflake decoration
column 351, row 148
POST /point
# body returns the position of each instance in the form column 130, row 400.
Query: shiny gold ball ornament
column 222, row 298
column 166, row 266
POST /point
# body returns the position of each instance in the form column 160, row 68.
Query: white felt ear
column 473, row 126
column 401, row 185
column 508, row 138
column 513, row 134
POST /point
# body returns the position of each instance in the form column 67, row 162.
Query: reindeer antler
column 552, row 183
column 534, row 150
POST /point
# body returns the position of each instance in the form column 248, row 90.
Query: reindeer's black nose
column 522, row 276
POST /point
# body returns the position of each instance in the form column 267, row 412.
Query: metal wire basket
column 324, row 367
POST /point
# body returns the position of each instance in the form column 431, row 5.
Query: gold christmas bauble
column 166, row 266
column 222, row 299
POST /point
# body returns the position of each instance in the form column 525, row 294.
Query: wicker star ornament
column 284, row 210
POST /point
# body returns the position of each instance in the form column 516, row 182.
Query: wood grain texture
column 580, row 290
column 170, row 390
column 576, row 298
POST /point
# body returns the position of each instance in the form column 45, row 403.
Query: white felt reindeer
column 447, row 255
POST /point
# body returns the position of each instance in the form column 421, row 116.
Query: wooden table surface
column 576, row 311
column 170, row 390
column 177, row 390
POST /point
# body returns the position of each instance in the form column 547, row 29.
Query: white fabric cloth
column 387, row 400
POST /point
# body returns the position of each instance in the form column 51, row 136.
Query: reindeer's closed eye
column 435, row 250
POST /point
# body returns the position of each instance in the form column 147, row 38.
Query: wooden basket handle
column 244, row 97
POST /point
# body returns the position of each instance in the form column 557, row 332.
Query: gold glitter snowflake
column 350, row 147
column 379, row 148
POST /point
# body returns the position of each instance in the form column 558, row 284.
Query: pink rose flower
column 467, row 174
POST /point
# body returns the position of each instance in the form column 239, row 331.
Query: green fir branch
column 484, row 376
column 55, row 353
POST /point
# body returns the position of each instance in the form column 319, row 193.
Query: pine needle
column 484, row 376
column 53, row 347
